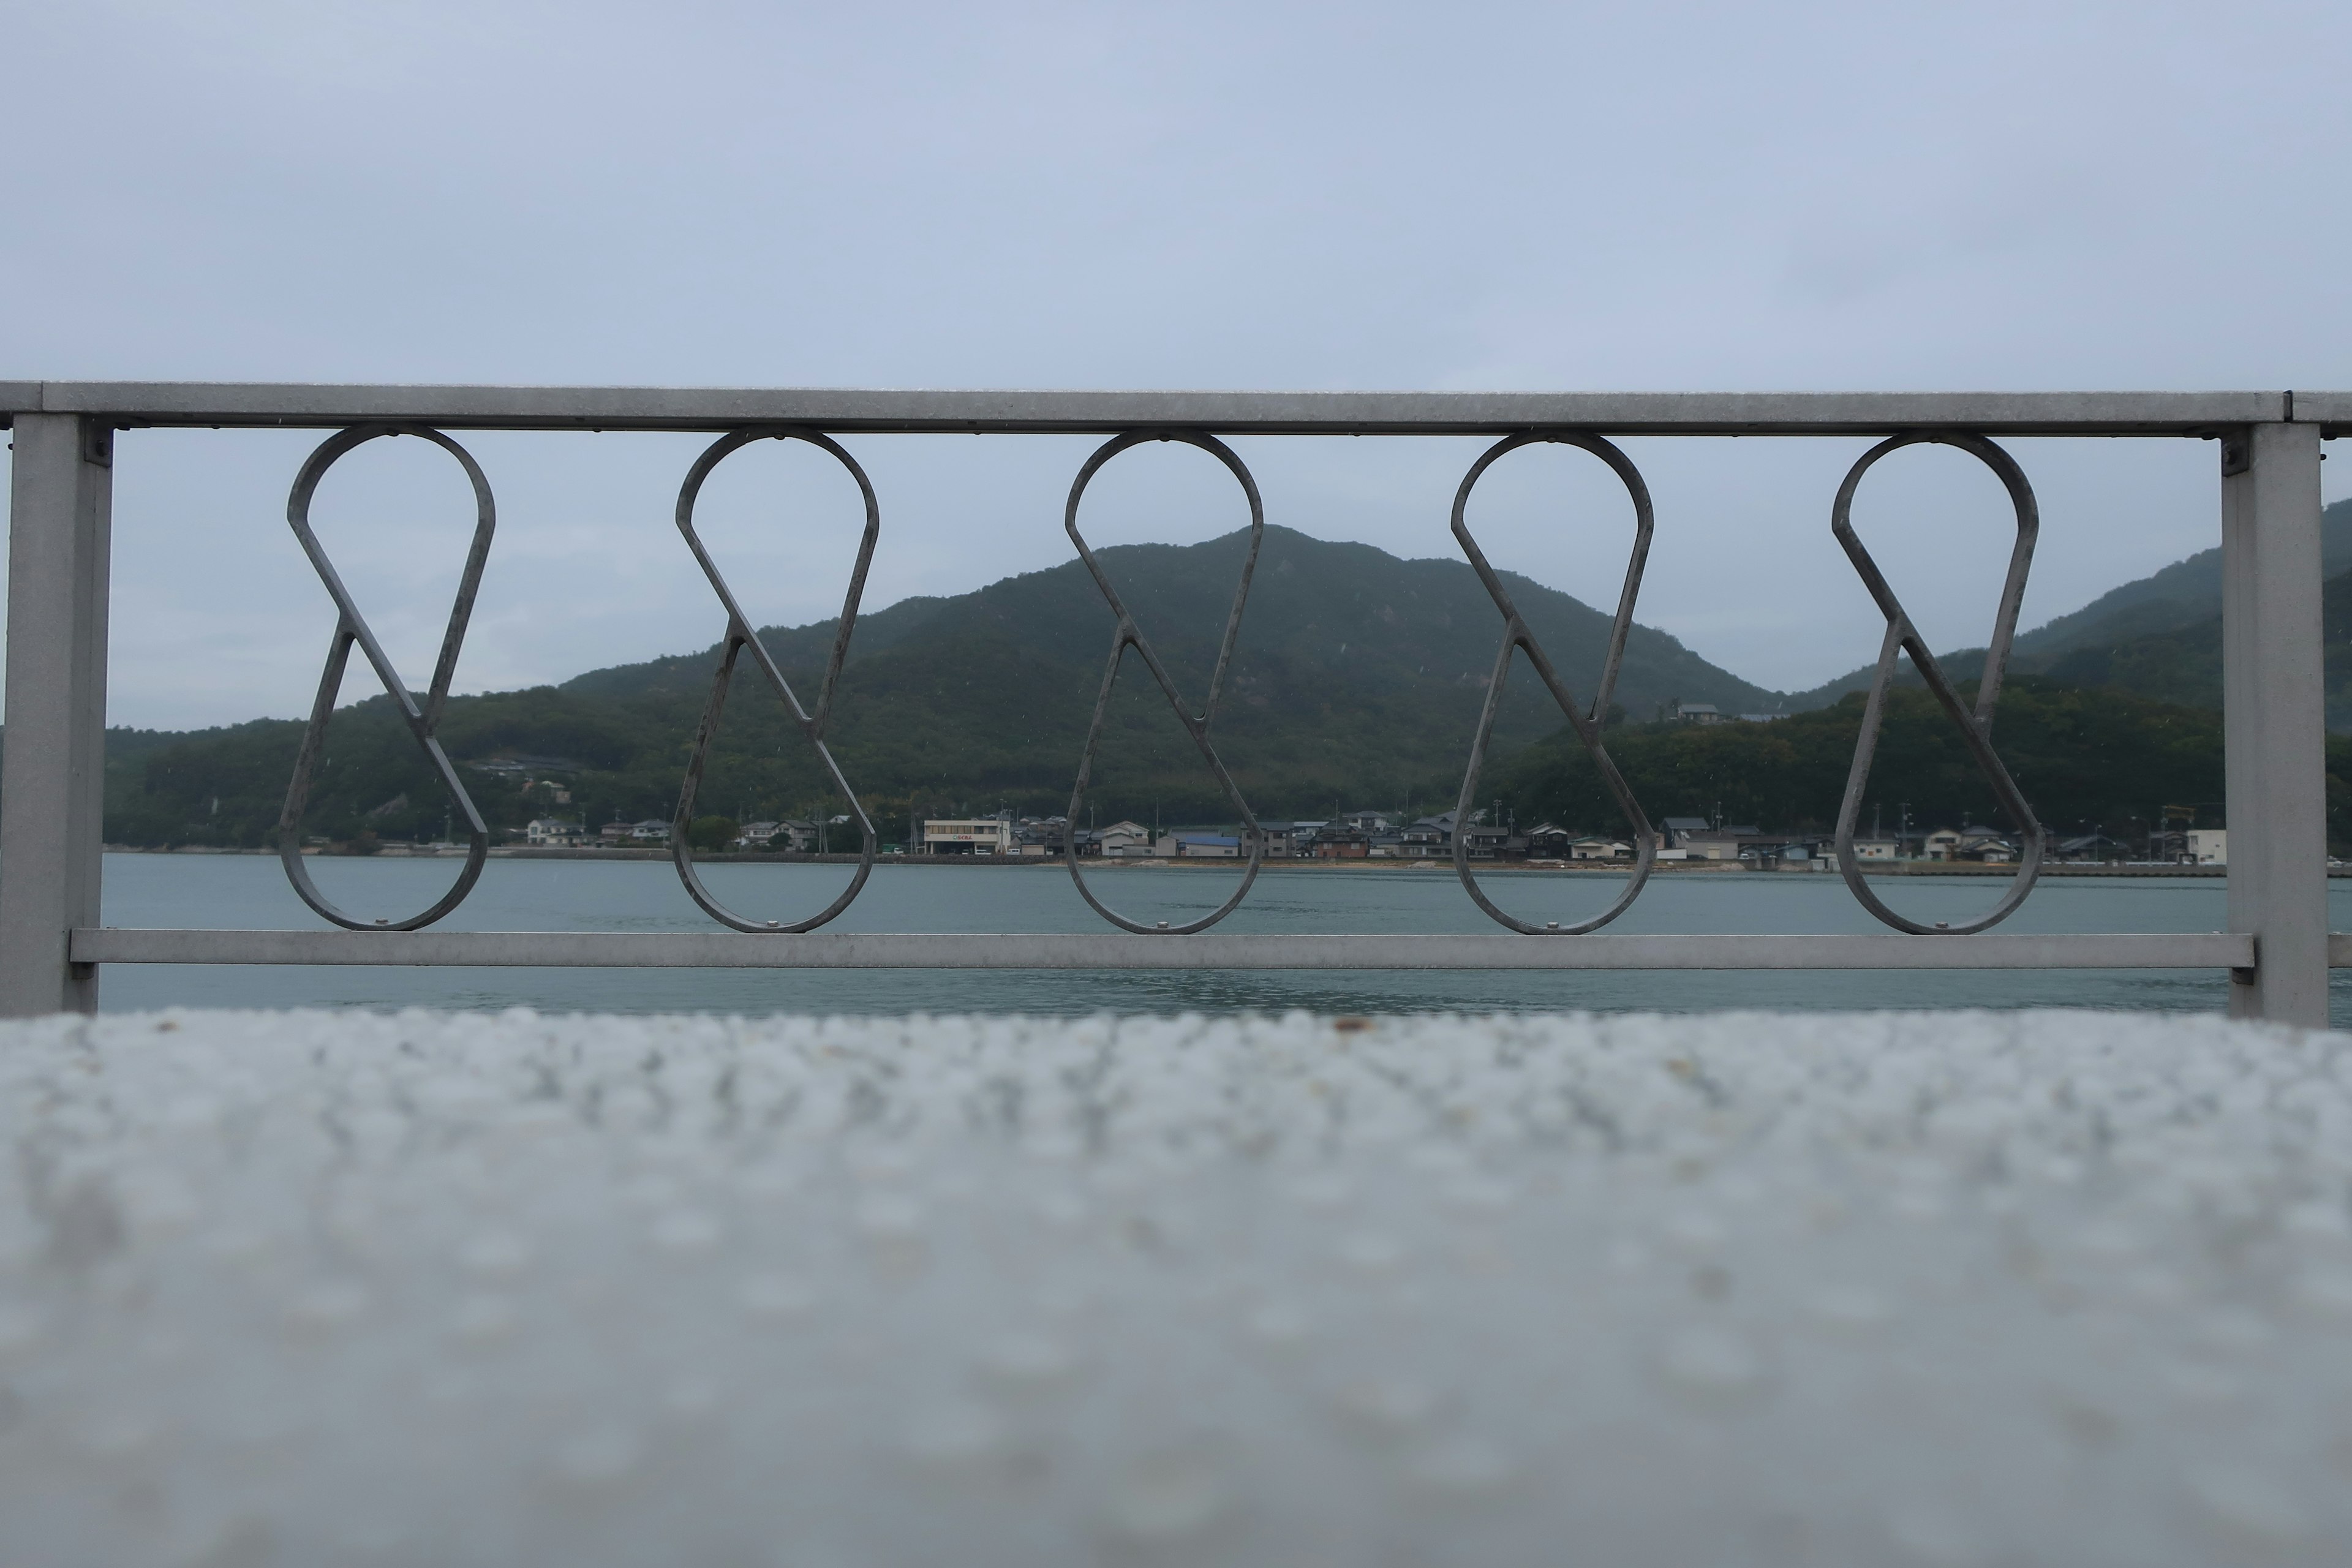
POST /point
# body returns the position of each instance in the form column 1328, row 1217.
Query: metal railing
column 2278, row 949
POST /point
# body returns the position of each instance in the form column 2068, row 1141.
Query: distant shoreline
column 1041, row 862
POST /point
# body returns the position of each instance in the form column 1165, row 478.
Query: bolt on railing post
column 2274, row 720
column 53, row 773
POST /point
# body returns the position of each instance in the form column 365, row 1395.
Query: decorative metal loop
column 1976, row 727
column 740, row 636
column 350, row 628
column 1586, row 724
column 1128, row 634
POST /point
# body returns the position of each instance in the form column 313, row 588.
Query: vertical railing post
column 53, row 773
column 2274, row 721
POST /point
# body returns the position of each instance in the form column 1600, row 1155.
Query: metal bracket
column 97, row 444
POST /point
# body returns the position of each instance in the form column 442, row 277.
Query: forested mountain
column 1357, row 679
column 2185, row 665
column 2083, row 758
column 2125, row 629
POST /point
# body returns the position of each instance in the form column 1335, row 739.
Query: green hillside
column 2080, row 757
column 2086, row 759
column 1357, row 680
column 2182, row 598
column 2185, row 665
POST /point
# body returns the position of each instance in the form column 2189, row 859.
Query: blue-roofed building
column 1208, row 846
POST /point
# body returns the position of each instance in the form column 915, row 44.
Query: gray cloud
column 1724, row 196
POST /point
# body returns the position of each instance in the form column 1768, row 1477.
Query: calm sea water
column 241, row 890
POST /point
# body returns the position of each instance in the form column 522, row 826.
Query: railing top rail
column 262, row 404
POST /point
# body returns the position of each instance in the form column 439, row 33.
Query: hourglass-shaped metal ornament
column 739, row 637
column 1127, row 635
column 1975, row 727
column 1587, row 723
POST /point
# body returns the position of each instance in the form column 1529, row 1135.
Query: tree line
column 2085, row 758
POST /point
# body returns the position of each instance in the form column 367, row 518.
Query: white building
column 551, row 832
column 2209, row 845
column 967, row 836
column 1124, row 838
column 652, row 830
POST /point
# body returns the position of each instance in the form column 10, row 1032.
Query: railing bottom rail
column 1117, row 950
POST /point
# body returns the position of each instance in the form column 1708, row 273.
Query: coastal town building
column 1037, row 837
column 1703, row 843
column 1549, row 841
column 968, row 835
column 1385, row 836
column 1486, row 841
column 1427, row 839
column 1208, row 845
column 1282, row 840
column 1123, row 839
column 1339, row 841
column 1988, row 844
column 794, row 836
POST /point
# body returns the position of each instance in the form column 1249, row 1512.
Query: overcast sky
column 1726, row 197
